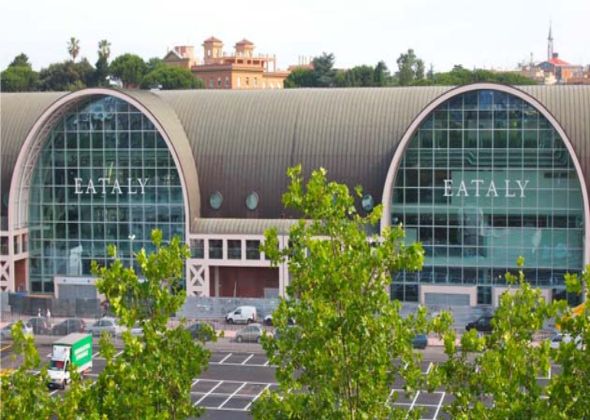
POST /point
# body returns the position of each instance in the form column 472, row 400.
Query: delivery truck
column 75, row 350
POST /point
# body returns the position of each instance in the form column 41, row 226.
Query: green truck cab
column 74, row 349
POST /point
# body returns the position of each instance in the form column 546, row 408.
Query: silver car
column 107, row 324
column 252, row 332
column 6, row 332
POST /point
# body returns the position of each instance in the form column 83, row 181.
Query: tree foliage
column 66, row 76
column 169, row 77
column 462, row 76
column 129, row 68
column 500, row 381
column 102, row 64
column 337, row 360
column 153, row 376
column 410, row 68
column 73, row 48
column 23, row 394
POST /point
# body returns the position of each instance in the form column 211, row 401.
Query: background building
column 241, row 69
column 480, row 174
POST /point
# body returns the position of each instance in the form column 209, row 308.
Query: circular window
column 216, row 200
column 367, row 202
column 252, row 200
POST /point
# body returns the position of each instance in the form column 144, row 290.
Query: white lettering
column 507, row 183
column 492, row 188
column 477, row 182
column 142, row 184
column 102, row 182
column 463, row 188
column 130, row 189
column 78, row 186
column 116, row 187
column 448, row 188
column 522, row 186
column 90, row 187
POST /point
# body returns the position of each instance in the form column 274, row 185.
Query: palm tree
column 104, row 49
column 74, row 48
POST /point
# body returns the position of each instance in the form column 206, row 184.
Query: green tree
column 153, row 63
column 74, row 48
column 21, row 60
column 129, row 68
column 102, row 64
column 495, row 377
column 168, row 77
column 462, row 76
column 411, row 68
column 152, row 378
column 382, row 76
column 323, row 70
column 300, row 77
column 24, row 394
column 337, row 360
column 18, row 78
column 66, row 76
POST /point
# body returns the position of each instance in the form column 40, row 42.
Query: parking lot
column 234, row 380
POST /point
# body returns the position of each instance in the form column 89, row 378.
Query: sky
column 495, row 34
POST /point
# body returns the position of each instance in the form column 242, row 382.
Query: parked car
column 40, row 324
column 107, row 324
column 420, row 341
column 252, row 332
column 70, row 325
column 559, row 338
column 481, row 324
column 201, row 331
column 268, row 320
column 242, row 314
column 6, row 332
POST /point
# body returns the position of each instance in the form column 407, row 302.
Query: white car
column 107, row 324
column 242, row 314
column 559, row 338
column 6, row 332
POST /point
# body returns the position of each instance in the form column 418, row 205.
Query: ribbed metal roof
column 18, row 113
column 243, row 141
column 241, row 226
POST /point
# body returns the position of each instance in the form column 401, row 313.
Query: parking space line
column 194, row 383
column 389, row 396
column 225, row 358
column 428, row 369
column 232, row 395
column 247, row 358
column 95, row 355
column 118, row 354
column 208, row 393
column 414, row 400
column 6, row 347
column 256, row 397
column 266, row 363
column 440, row 403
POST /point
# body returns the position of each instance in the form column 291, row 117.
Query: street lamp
column 131, row 238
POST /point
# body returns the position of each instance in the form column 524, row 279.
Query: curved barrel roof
column 243, row 141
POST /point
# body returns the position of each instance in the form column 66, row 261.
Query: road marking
column 194, row 383
column 52, row 393
column 429, row 368
column 232, row 395
column 95, row 354
column 414, row 400
column 6, row 347
column 440, row 403
column 389, row 396
column 118, row 354
column 256, row 397
column 208, row 393
column 247, row 358
column 266, row 363
column 225, row 358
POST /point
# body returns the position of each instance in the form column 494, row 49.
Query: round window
column 252, row 200
column 216, row 200
column 367, row 202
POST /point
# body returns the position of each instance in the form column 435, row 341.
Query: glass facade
column 486, row 179
column 104, row 176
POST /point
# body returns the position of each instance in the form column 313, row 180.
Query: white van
column 245, row 314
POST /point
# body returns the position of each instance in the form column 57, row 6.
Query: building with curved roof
column 479, row 174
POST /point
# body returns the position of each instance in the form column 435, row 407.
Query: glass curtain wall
column 104, row 176
column 486, row 179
